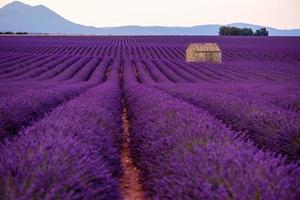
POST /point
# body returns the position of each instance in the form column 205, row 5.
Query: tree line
column 11, row 33
column 231, row 30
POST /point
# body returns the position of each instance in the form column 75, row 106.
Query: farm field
column 126, row 117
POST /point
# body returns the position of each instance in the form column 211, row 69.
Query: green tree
column 262, row 32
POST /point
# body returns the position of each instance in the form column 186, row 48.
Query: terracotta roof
column 204, row 47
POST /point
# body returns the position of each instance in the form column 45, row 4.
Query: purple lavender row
column 60, row 67
column 10, row 88
column 144, row 75
column 170, row 73
column 101, row 72
column 84, row 73
column 6, row 57
column 21, row 65
column 21, row 70
column 157, row 74
column 93, row 72
column 19, row 109
column 181, row 71
column 70, row 71
column 13, row 88
column 9, row 60
column 268, row 71
column 269, row 126
column 285, row 94
column 184, row 153
column 38, row 70
column 90, row 70
column 18, row 62
column 72, row 153
column 57, row 69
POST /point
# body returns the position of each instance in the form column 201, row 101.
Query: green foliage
column 261, row 32
column 8, row 32
column 21, row 33
column 231, row 30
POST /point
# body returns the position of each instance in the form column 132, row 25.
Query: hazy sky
column 275, row 13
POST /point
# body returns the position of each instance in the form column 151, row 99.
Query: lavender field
column 121, row 117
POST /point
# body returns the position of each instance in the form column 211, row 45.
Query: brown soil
column 107, row 72
column 131, row 187
column 135, row 71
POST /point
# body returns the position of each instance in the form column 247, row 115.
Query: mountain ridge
column 18, row 16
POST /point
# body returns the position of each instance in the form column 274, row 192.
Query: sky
column 284, row 14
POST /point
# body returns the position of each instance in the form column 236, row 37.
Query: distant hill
column 18, row 16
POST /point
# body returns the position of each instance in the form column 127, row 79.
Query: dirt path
column 131, row 187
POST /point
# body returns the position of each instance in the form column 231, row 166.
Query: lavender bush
column 196, row 130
